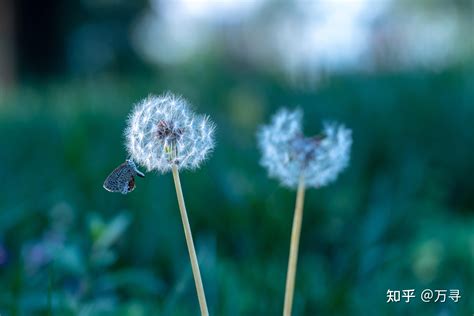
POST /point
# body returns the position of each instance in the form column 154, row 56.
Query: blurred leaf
column 111, row 232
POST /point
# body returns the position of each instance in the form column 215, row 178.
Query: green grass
column 400, row 217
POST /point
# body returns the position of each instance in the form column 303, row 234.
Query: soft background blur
column 400, row 73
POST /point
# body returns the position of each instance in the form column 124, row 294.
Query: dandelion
column 300, row 162
column 163, row 134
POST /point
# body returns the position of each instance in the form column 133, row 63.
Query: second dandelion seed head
column 162, row 131
column 288, row 154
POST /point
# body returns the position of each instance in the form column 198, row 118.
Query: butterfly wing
column 117, row 181
column 127, row 179
column 130, row 185
column 122, row 179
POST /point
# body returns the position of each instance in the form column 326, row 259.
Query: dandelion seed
column 287, row 153
column 162, row 131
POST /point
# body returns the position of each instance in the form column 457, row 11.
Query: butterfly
column 122, row 179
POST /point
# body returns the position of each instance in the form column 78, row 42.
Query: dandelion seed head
column 287, row 153
column 162, row 131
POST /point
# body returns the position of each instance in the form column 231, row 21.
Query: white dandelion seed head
column 287, row 154
column 162, row 131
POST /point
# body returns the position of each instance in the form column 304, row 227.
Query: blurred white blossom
column 287, row 154
column 162, row 131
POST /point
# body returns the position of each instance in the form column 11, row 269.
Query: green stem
column 295, row 239
column 190, row 243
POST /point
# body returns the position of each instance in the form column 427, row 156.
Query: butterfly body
column 122, row 179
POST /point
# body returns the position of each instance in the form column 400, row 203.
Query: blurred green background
column 400, row 74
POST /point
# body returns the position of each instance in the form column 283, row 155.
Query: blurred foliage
column 400, row 217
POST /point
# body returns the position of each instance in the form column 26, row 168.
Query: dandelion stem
column 295, row 239
column 190, row 243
